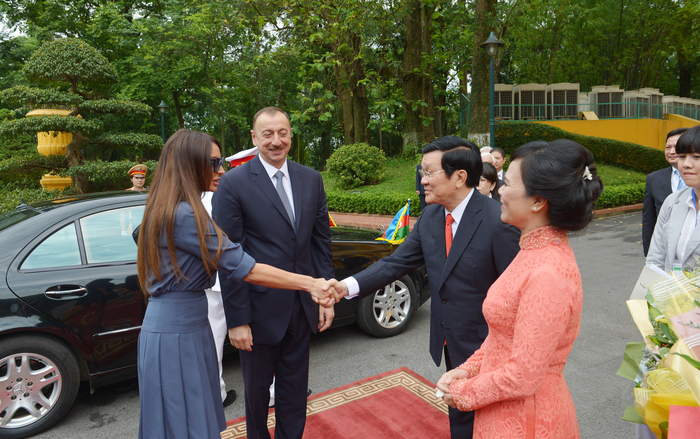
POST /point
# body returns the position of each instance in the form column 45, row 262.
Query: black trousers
column 461, row 423
column 288, row 362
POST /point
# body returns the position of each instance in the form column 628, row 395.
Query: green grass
column 400, row 177
column 401, row 174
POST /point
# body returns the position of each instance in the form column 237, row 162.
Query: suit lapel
column 666, row 181
column 262, row 180
column 693, row 242
column 465, row 232
column 438, row 234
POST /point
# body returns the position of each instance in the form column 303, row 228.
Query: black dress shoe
column 308, row 392
column 230, row 397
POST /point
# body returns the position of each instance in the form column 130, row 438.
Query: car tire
column 389, row 310
column 39, row 380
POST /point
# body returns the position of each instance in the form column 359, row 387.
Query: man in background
column 499, row 157
column 661, row 184
column 137, row 175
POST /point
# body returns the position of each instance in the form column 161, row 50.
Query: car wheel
column 39, row 380
column 389, row 310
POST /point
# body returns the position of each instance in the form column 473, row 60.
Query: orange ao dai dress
column 533, row 311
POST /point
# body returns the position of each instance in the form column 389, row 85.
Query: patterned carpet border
column 349, row 393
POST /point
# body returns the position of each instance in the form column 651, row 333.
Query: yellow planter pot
column 52, row 143
column 51, row 182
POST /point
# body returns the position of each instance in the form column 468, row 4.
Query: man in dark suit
column 499, row 158
column 462, row 260
column 276, row 209
column 660, row 184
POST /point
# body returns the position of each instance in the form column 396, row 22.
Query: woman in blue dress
column 179, row 252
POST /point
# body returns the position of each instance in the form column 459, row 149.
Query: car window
column 107, row 235
column 58, row 250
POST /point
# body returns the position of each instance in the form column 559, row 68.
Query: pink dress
column 534, row 314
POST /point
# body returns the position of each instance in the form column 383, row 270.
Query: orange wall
column 648, row 132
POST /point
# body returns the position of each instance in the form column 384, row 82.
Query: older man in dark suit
column 276, row 209
column 465, row 247
column 660, row 184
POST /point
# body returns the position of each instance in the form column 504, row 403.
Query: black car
column 71, row 307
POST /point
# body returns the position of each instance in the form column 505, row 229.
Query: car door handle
column 74, row 293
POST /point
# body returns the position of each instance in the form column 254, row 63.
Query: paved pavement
column 609, row 254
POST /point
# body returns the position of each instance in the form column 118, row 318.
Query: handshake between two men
column 328, row 292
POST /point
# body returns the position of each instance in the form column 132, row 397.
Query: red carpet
column 393, row 405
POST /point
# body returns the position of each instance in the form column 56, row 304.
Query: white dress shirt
column 675, row 179
column 351, row 282
column 286, row 182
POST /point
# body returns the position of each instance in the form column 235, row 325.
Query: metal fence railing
column 603, row 110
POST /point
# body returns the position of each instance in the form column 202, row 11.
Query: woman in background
column 488, row 183
column 515, row 381
column 179, row 251
column 676, row 240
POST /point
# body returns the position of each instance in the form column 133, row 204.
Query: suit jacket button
column 444, row 300
column 442, row 325
column 294, row 238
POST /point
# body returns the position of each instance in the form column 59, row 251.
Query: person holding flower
column 675, row 242
column 515, row 381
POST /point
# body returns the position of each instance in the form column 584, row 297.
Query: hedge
column 380, row 204
column 11, row 198
column 23, row 171
column 622, row 195
column 389, row 204
column 510, row 135
column 110, row 176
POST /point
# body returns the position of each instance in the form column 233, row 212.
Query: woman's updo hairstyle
column 689, row 142
column 563, row 173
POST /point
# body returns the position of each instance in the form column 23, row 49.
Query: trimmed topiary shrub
column 357, row 165
column 23, row 171
column 510, row 135
column 110, row 176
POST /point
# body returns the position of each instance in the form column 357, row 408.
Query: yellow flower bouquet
column 665, row 367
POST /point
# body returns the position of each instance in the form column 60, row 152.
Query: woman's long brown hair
column 184, row 171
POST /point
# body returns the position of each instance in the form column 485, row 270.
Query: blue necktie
column 681, row 183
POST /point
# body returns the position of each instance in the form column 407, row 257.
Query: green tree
column 76, row 76
column 484, row 23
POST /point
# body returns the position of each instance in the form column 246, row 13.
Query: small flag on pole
column 330, row 218
column 398, row 229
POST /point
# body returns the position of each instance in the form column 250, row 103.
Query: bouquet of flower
column 665, row 367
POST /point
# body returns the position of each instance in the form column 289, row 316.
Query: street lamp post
column 491, row 45
column 162, row 108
